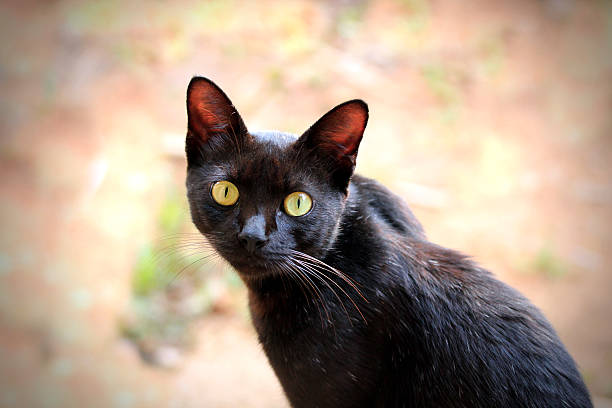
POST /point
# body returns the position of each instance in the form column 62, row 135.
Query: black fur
column 413, row 324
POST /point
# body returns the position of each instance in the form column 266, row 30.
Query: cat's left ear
column 335, row 138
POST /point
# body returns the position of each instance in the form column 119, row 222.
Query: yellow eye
column 225, row 193
column 298, row 203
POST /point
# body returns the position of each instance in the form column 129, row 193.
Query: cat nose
column 253, row 234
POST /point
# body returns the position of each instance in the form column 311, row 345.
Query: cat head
column 264, row 196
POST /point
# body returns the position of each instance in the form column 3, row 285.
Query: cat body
column 351, row 303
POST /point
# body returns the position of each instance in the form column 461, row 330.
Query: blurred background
column 493, row 119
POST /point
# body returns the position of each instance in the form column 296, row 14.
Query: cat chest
column 323, row 366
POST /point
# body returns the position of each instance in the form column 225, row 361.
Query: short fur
column 352, row 305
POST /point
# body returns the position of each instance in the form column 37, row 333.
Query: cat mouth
column 262, row 264
column 254, row 263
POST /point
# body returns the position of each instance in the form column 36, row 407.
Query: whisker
column 303, row 283
column 235, row 137
column 319, row 275
column 331, row 268
column 178, row 234
column 182, row 250
column 335, row 271
column 317, row 291
column 188, row 265
column 321, row 270
column 180, row 244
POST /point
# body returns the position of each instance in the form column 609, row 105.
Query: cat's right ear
column 213, row 124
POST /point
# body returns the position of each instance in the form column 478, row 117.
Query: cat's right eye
column 224, row 193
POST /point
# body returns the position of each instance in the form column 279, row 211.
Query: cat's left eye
column 298, row 203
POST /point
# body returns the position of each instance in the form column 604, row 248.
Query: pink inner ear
column 209, row 119
column 209, row 109
column 344, row 127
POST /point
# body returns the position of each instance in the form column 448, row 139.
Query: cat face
column 262, row 197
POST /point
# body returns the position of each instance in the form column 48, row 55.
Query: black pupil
column 298, row 202
column 226, row 190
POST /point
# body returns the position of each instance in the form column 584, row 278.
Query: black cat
column 352, row 304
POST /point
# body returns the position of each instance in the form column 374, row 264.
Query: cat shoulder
column 388, row 206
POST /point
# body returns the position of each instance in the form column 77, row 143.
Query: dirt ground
column 491, row 118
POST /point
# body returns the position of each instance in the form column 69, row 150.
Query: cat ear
column 336, row 137
column 212, row 119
